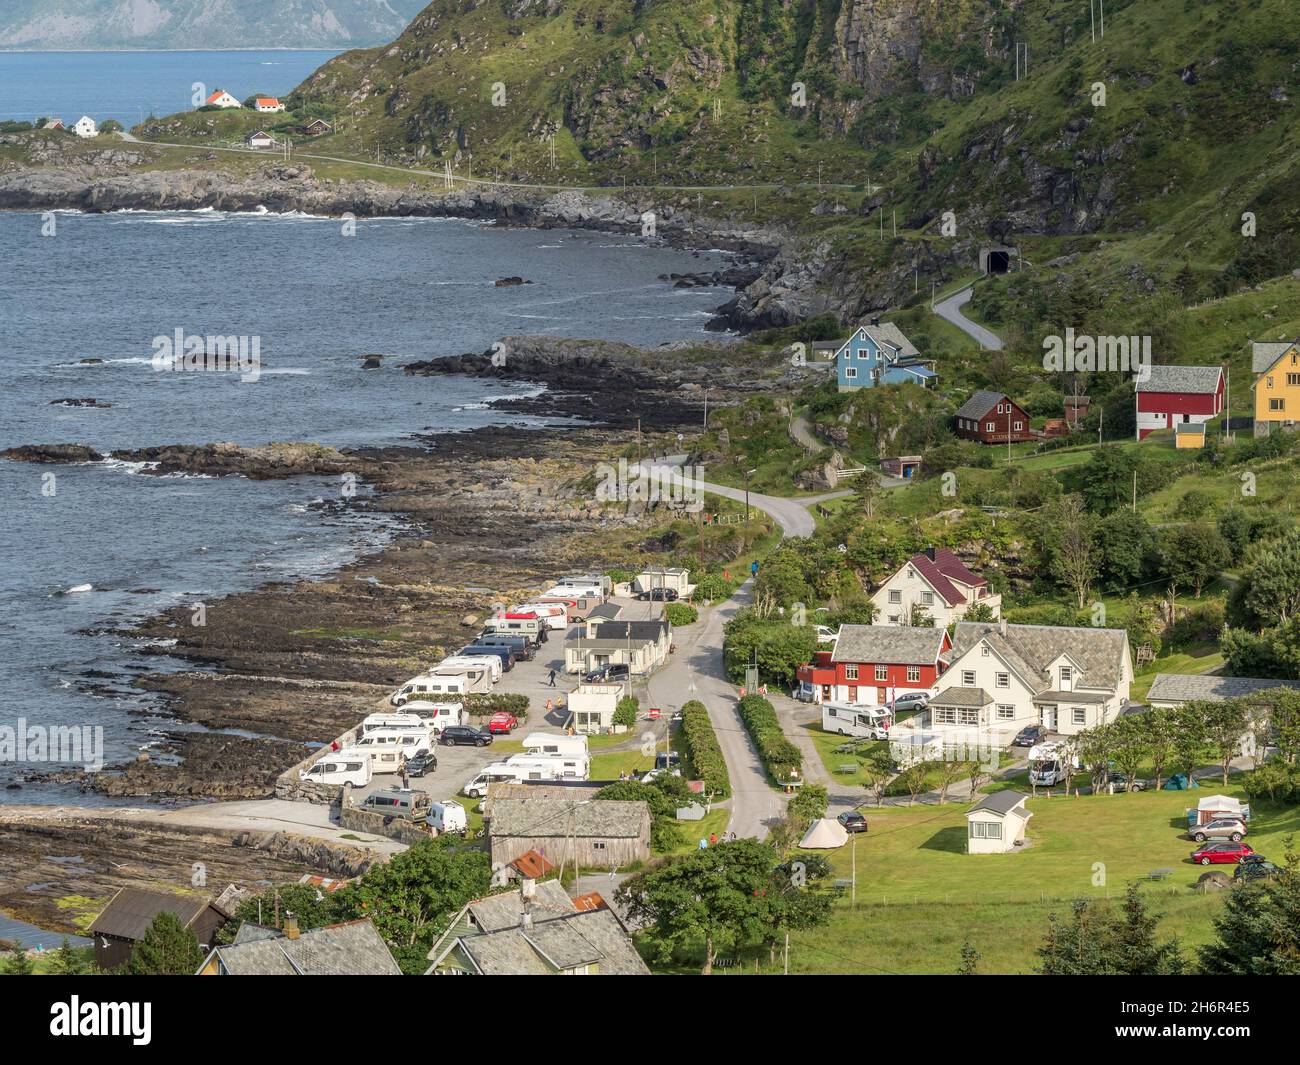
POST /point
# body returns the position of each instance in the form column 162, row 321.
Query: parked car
column 1119, row 779
column 667, row 759
column 1030, row 736
column 502, row 722
column 1254, row 867
column 658, row 595
column 424, row 762
column 465, row 736
column 852, row 821
column 916, row 700
column 607, row 673
column 825, row 634
column 1221, row 853
column 1219, row 828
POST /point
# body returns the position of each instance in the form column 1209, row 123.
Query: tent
column 824, row 835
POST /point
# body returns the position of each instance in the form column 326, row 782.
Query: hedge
column 679, row 614
column 484, row 704
column 779, row 755
column 703, row 749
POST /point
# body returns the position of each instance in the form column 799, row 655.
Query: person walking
column 406, row 777
column 551, row 678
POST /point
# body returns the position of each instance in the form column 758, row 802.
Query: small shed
column 600, row 833
column 259, row 140
column 679, row 580
column 593, row 706
column 996, row 823
column 902, row 466
column 127, row 917
column 1189, row 436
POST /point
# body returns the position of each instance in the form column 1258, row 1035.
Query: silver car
column 1219, row 828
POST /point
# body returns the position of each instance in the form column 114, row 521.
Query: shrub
column 779, row 755
column 702, row 747
column 713, row 587
column 485, row 704
column 679, row 614
column 627, row 711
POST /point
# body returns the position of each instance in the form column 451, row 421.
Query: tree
column 1281, row 715
column 1069, row 537
column 1096, row 941
column 1160, row 729
column 914, row 779
column 1226, row 724
column 1191, row 737
column 64, row 961
column 1127, row 545
column 970, row 959
column 1096, row 748
column 1259, row 927
column 167, row 949
column 715, row 895
column 950, row 770
column 809, row 805
column 1271, row 578
column 1193, row 555
column 1130, row 747
column 627, row 711
column 919, row 618
column 17, row 963
column 411, row 896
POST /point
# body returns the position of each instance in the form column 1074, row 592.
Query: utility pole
column 1135, row 491
column 745, row 538
column 853, row 897
column 638, row 443
column 706, row 410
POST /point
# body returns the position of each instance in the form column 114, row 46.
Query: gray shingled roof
column 593, row 937
column 1183, row 687
column 1000, row 802
column 888, row 645
column 352, row 949
column 978, row 405
column 1181, row 379
column 1262, row 356
column 889, row 333
column 1030, row 649
column 131, row 911
column 505, row 910
column 602, row 818
column 640, row 630
column 962, row 697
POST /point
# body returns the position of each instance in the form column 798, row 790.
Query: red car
column 502, row 721
column 1221, row 853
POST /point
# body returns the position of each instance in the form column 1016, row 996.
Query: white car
column 825, row 634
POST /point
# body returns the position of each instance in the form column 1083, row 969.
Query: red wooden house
column 873, row 663
column 1178, row 395
column 992, row 418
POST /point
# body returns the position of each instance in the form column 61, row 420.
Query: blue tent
column 1178, row 782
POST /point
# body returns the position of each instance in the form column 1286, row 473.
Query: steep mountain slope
column 107, row 24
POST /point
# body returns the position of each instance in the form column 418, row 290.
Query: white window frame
column 968, row 678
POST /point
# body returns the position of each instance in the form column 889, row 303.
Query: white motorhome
column 553, row 614
column 436, row 716
column 848, row 719
column 447, row 816
column 398, row 742
column 380, row 759
column 391, row 722
column 529, row 625
column 333, row 769
column 602, row 584
column 566, row 766
column 434, row 684
column 477, row 786
column 545, row 743
column 1048, row 763
column 492, row 663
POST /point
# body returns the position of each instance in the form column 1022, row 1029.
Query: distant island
column 59, row 25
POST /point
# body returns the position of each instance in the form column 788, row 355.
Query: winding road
column 950, row 311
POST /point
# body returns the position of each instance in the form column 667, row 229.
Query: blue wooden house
column 879, row 354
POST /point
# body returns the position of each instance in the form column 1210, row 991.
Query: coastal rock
column 52, row 453
column 87, row 402
column 508, row 282
column 271, row 462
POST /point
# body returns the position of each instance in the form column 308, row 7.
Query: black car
column 604, row 673
column 658, row 595
column 1254, row 867
column 1029, row 736
column 424, row 762
column 852, row 821
column 465, row 736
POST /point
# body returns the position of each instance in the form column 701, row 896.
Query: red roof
column 590, row 901
column 268, row 100
column 217, row 96
column 946, row 565
column 532, row 865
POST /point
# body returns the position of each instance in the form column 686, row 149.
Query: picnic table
column 1159, row 874
column 847, row 767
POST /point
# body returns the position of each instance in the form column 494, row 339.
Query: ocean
column 107, row 287
column 131, row 86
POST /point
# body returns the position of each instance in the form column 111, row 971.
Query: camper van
column 529, row 625
column 850, row 720
column 474, row 678
column 398, row 802
column 544, row 744
column 522, row 647
column 505, row 654
column 578, row 604
column 566, row 766
column 339, row 771
column 379, row 759
column 435, row 716
column 596, row 582
column 447, row 816
column 553, row 614
column 477, row 786
column 434, row 684
column 1047, row 764
column 405, row 721
column 399, row 742
column 492, row 663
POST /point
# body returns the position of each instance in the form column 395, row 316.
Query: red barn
column 1175, row 395
column 992, row 418
column 873, row 663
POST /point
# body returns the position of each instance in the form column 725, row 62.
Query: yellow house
column 1277, row 384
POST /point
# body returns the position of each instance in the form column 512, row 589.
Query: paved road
column 950, row 311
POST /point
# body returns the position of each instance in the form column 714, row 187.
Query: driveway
column 950, row 311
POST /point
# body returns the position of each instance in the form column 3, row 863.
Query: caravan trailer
column 436, row 716
column 602, row 585
column 553, row 614
column 408, row 742
column 850, row 720
column 499, row 772
column 334, row 769
column 434, row 684
column 566, row 766
column 517, row 624
column 404, row 721
column 492, row 663
column 577, row 605
column 474, row 678
column 541, row 743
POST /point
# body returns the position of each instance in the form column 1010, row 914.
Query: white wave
column 78, row 589
column 131, row 468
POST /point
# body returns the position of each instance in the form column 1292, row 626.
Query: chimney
column 929, row 552
column 874, row 319
column 290, row 926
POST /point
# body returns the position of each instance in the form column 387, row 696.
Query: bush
column 713, row 587
column 679, row 614
column 702, row 747
column 627, row 711
column 485, row 704
column 779, row 755
column 1202, row 623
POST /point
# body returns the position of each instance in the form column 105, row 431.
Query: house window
column 1002, row 680
column 1292, row 379
column 968, row 678
column 988, row 427
column 1019, row 426
column 851, row 672
column 850, row 372
column 1079, row 715
column 984, row 650
column 913, row 674
column 944, row 715
column 598, row 844
column 1277, row 404
column 1006, row 712
column 882, row 673
column 927, row 598
column 968, row 717
column 985, row 830
column 893, row 619
column 1067, row 676
column 895, row 595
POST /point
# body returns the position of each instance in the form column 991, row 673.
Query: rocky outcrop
column 52, row 453
column 272, row 462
